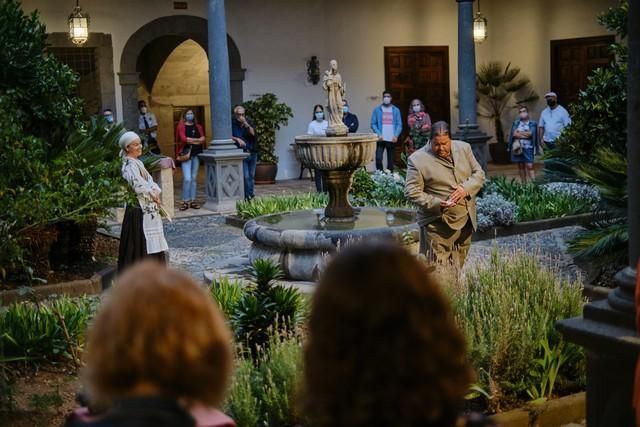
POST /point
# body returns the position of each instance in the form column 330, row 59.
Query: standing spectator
column 386, row 122
column 523, row 144
column 244, row 136
column 142, row 234
column 107, row 115
column 349, row 119
column 443, row 179
column 419, row 123
column 148, row 126
column 191, row 140
column 383, row 348
column 158, row 354
column 553, row 120
column 318, row 126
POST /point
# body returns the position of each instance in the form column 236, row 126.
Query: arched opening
column 144, row 60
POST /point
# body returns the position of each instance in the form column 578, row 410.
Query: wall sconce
column 78, row 25
column 313, row 70
column 479, row 27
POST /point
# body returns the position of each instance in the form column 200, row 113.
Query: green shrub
column 35, row 331
column 259, row 206
column 505, row 309
column 535, row 202
column 269, row 115
column 264, row 392
column 253, row 310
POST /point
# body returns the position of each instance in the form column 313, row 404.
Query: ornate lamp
column 479, row 27
column 78, row 25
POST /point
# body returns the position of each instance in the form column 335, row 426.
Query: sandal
column 194, row 205
column 184, row 206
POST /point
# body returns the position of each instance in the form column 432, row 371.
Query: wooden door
column 572, row 61
column 418, row 72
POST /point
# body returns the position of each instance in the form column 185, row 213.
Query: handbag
column 516, row 147
column 185, row 154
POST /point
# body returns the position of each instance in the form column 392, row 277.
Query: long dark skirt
column 133, row 245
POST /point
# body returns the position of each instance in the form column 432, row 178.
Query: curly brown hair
column 383, row 347
column 158, row 328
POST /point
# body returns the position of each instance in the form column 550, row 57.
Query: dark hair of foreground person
column 383, row 348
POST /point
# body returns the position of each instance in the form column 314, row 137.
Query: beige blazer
column 431, row 180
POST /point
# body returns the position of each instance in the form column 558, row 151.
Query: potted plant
column 269, row 115
column 496, row 86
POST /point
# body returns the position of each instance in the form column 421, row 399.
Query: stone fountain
column 300, row 241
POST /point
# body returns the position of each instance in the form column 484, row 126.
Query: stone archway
column 172, row 30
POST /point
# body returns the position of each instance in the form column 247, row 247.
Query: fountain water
column 299, row 241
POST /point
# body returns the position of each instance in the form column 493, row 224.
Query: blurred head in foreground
column 383, row 348
column 157, row 333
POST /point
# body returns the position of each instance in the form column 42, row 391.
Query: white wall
column 276, row 37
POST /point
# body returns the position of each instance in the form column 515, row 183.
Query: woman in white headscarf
column 142, row 234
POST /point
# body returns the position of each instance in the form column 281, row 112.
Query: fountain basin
column 301, row 241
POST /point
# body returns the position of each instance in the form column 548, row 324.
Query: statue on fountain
column 333, row 84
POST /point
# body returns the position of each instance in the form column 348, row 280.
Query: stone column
column 129, row 87
column 607, row 328
column 467, row 113
column 223, row 160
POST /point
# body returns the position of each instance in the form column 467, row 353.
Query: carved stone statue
column 332, row 83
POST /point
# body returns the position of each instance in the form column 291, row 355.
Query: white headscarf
column 126, row 139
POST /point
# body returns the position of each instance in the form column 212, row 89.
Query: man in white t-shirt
column 148, row 127
column 553, row 120
column 386, row 122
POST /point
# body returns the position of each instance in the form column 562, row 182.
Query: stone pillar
column 607, row 328
column 468, row 125
column 129, row 87
column 223, row 160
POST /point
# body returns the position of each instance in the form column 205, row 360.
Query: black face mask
column 551, row 102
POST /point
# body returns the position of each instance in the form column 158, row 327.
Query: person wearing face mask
column 243, row 132
column 349, row 119
column 553, row 120
column 107, row 115
column 523, row 144
column 318, row 126
column 419, row 123
column 386, row 122
column 148, row 126
column 443, row 179
column 190, row 142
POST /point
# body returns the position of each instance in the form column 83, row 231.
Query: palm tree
column 497, row 86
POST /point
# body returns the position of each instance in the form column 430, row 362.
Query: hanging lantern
column 479, row 27
column 78, row 25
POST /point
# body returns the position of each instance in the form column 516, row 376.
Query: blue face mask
column 109, row 119
column 189, row 117
column 345, row 109
column 319, row 115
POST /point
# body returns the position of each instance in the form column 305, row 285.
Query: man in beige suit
column 443, row 179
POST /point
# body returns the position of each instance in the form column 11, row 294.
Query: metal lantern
column 479, row 27
column 78, row 25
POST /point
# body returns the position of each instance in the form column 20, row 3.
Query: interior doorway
column 418, row 72
column 572, row 60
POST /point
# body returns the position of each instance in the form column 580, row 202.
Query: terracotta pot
column 499, row 153
column 266, row 173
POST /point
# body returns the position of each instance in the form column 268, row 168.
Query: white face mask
column 143, row 110
column 386, row 100
column 416, row 109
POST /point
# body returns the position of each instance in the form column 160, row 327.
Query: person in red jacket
column 190, row 142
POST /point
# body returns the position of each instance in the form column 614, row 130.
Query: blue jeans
column 249, row 171
column 190, row 178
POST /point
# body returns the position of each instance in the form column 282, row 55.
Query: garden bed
column 553, row 413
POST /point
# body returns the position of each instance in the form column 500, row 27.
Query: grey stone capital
column 127, row 79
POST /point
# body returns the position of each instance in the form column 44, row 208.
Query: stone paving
column 206, row 244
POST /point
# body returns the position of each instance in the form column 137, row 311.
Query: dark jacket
column 533, row 128
column 141, row 412
column 243, row 133
column 351, row 121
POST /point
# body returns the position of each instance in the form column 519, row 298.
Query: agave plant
column 497, row 86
